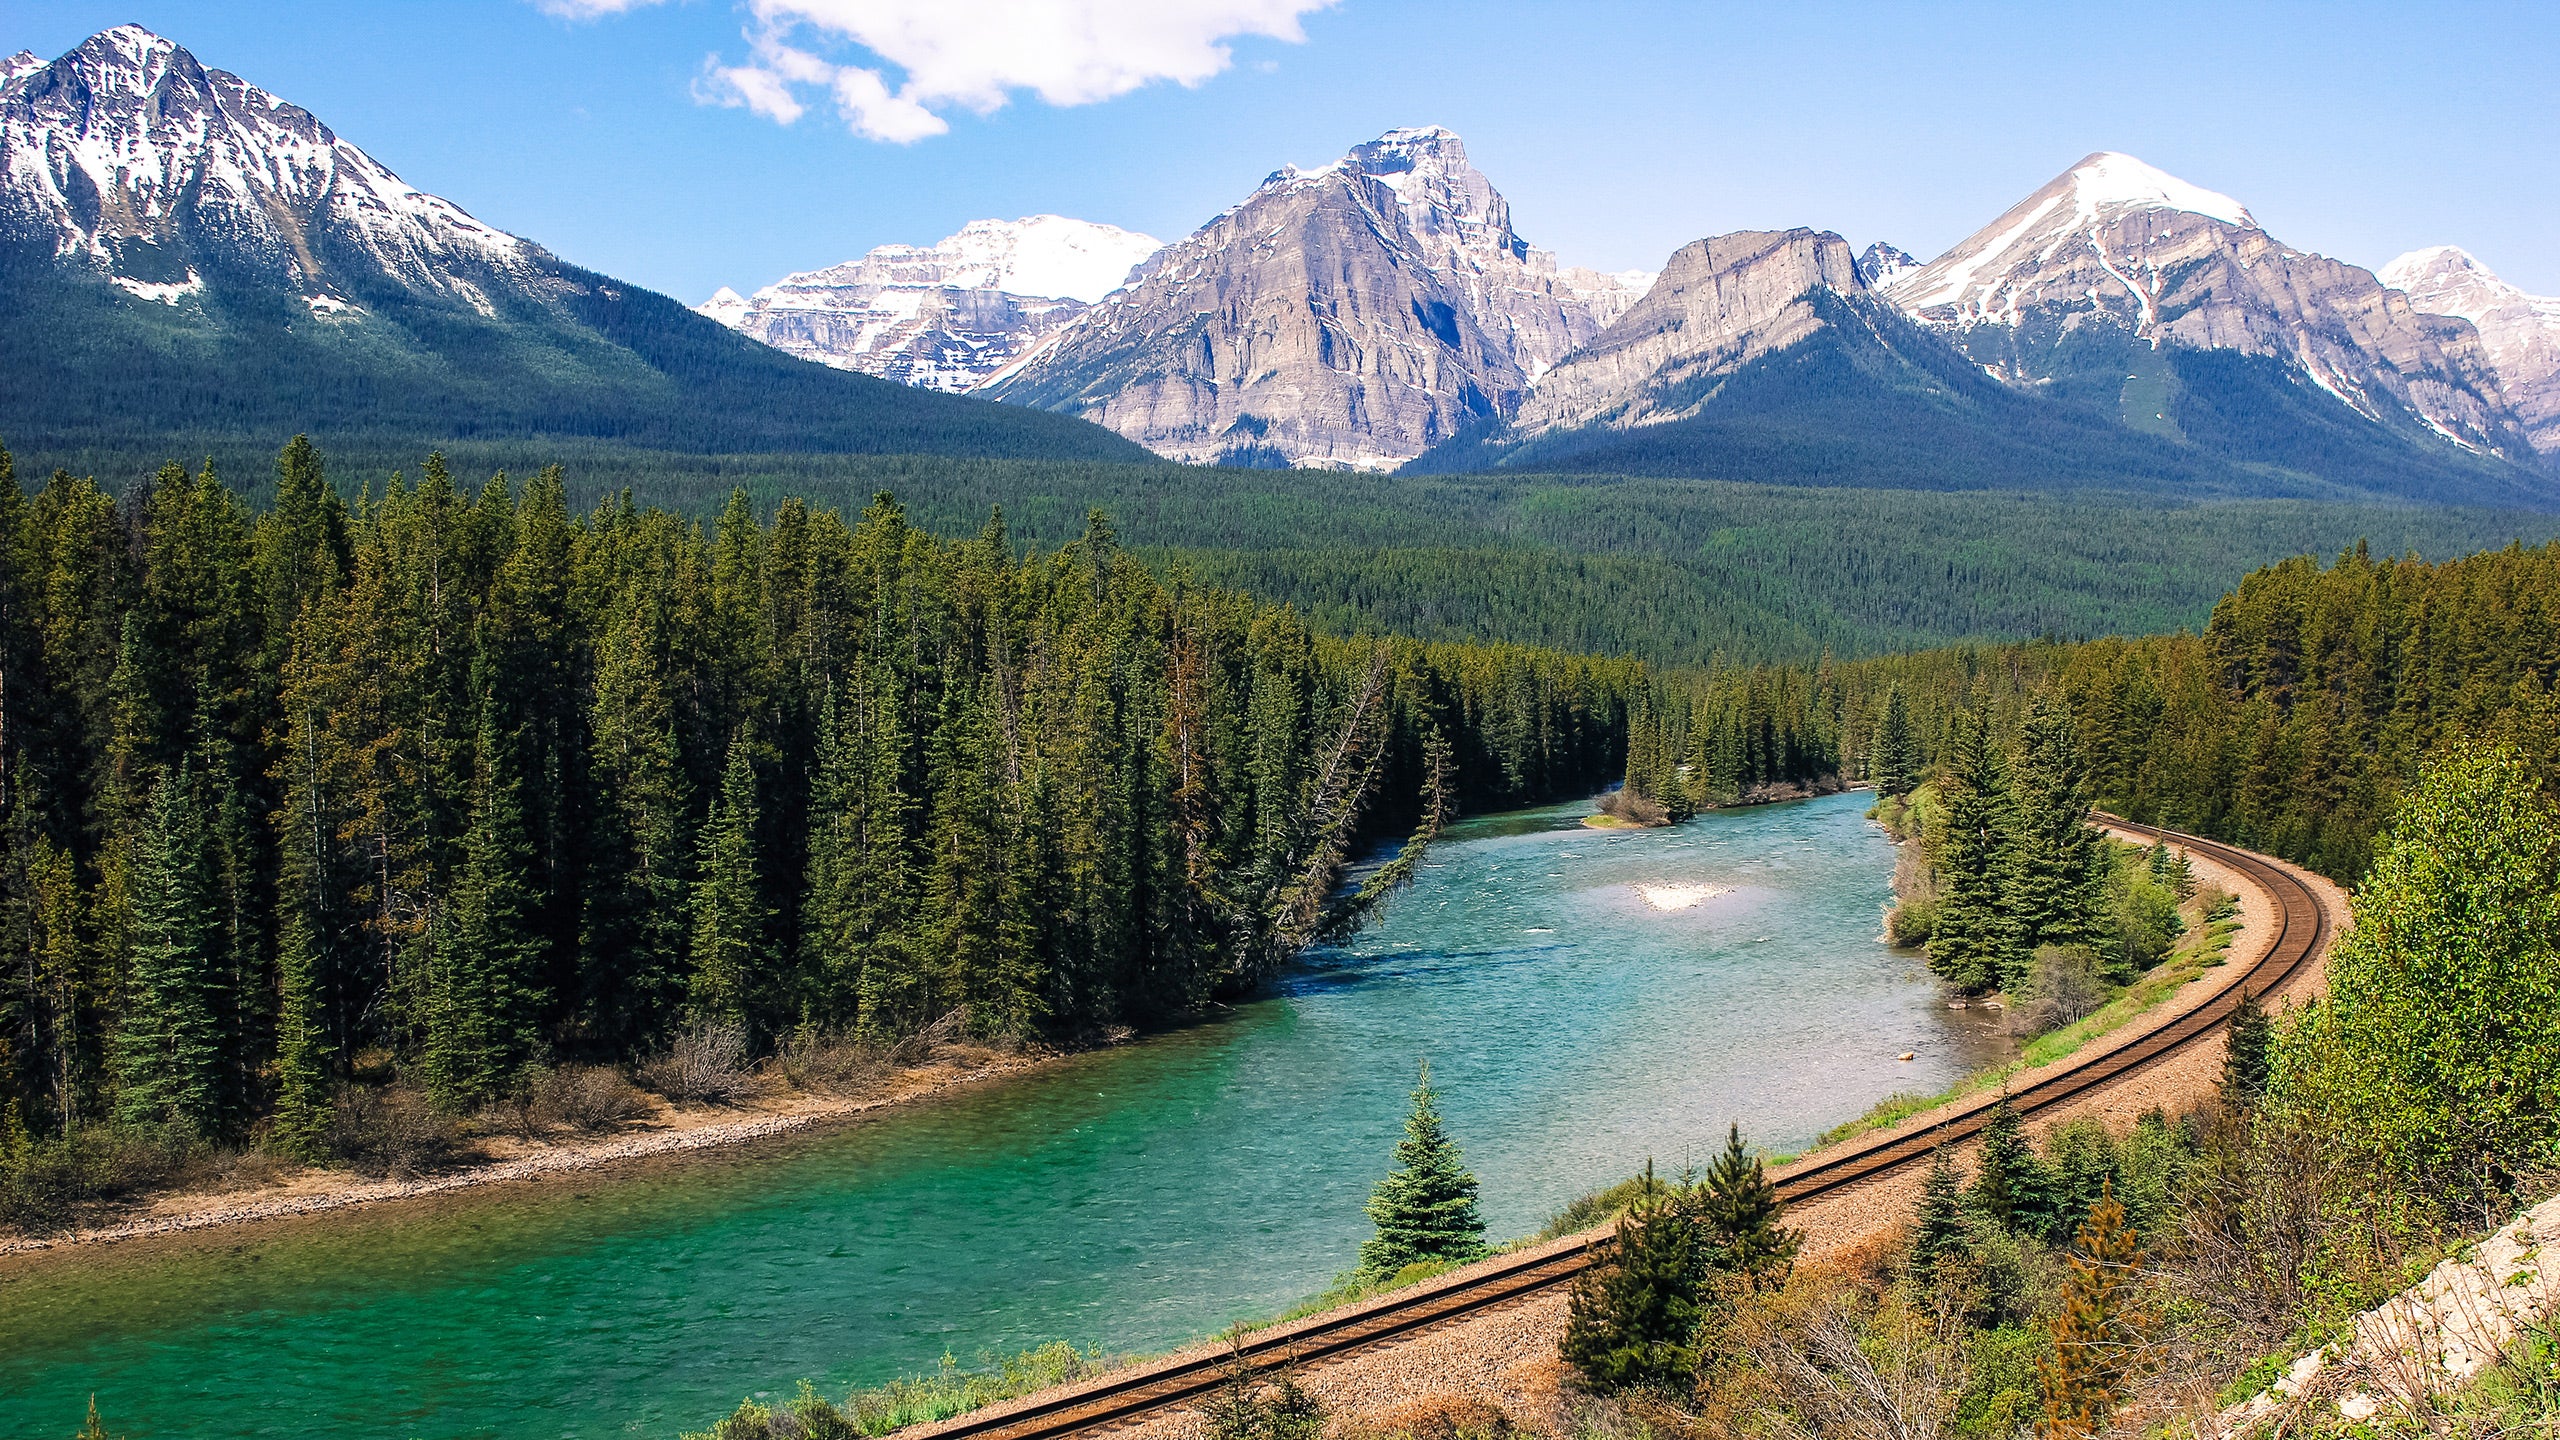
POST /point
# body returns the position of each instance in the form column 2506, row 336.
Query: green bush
column 43, row 1181
column 2438, row 1049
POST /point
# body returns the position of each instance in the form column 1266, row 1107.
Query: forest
column 449, row 784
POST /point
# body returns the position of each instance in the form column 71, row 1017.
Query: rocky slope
column 1718, row 305
column 944, row 316
column 2113, row 251
column 2521, row 332
column 1348, row 316
column 195, row 257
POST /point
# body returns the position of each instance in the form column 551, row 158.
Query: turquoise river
column 1586, row 999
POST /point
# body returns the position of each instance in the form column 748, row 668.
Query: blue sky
column 1617, row 130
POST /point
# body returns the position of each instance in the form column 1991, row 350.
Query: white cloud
column 970, row 54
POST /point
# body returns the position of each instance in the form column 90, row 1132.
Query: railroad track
column 2302, row 934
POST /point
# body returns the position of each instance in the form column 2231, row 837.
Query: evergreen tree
column 1425, row 1209
column 168, row 1057
column 2249, row 1061
column 1975, row 943
column 1894, row 763
column 1632, row 1321
column 2056, row 891
column 1937, row 1224
column 1736, row 1211
column 731, row 961
column 2008, row 1181
column 2095, row 1336
column 481, row 1028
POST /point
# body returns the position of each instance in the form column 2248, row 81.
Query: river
column 1586, row 999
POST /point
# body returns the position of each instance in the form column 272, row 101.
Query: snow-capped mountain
column 1880, row 265
column 1351, row 315
column 128, row 156
column 945, row 316
column 2114, row 251
column 2521, row 332
column 232, row 267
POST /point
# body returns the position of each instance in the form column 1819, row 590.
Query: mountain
column 1879, row 265
column 945, row 316
column 1348, row 316
column 1764, row 356
column 2520, row 332
column 189, row 256
column 2109, row 280
column 2118, row 329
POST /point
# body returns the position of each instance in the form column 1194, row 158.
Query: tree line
column 456, row 782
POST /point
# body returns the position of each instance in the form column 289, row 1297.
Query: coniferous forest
column 461, row 782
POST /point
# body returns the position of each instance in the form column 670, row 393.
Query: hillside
column 240, row 271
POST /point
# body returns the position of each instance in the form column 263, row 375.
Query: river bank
column 665, row 1129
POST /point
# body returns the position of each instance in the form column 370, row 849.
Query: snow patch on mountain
column 2108, row 180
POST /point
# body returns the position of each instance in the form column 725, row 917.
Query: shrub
column 1911, row 922
column 579, row 1097
column 43, row 1181
column 706, row 1065
column 1598, row 1208
column 2063, row 984
column 1634, row 808
column 826, row 1065
column 389, row 1131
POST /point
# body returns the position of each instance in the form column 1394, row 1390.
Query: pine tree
column 731, row 961
column 1894, row 763
column 2056, row 892
column 2095, row 1336
column 1937, row 1224
column 1426, row 1208
column 1632, row 1321
column 1737, row 1211
column 168, row 1058
column 1974, row 945
column 2008, row 1186
column 2248, row 1063
column 480, row 1027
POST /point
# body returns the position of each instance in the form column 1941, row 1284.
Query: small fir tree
column 1737, row 1211
column 168, row 1054
column 480, row 1023
column 1894, row 764
column 2250, row 1060
column 2095, row 1336
column 2056, row 892
column 1974, row 944
column 1426, row 1208
column 729, row 918
column 2006, row 1176
column 1937, row 1224
column 1633, row 1317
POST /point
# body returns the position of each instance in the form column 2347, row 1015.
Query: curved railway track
column 2303, row 928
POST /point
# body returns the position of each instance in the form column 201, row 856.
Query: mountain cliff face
column 192, row 256
column 1350, row 316
column 2520, row 332
column 1717, row 305
column 945, row 316
column 2113, row 251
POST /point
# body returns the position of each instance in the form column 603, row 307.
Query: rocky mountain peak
column 128, row 153
column 2520, row 332
column 947, row 315
column 1719, row 304
column 14, row 66
column 1879, row 265
column 1352, row 314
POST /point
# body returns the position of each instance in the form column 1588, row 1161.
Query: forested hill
column 1674, row 572
column 455, row 783
column 2304, row 707
column 576, row 357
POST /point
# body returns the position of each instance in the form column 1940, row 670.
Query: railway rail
column 2302, row 935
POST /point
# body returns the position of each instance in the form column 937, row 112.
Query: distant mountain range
column 190, row 257
column 185, row 257
column 2117, row 328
